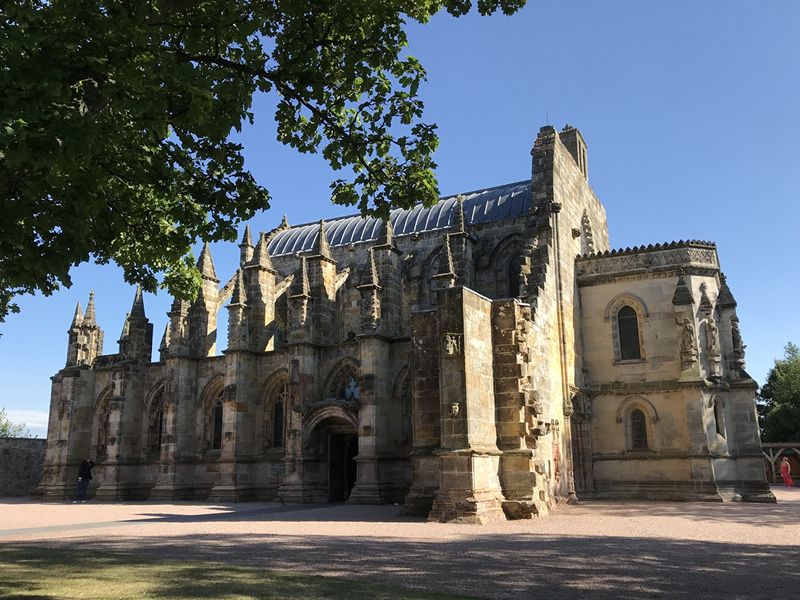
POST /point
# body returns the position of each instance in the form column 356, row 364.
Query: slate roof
column 481, row 206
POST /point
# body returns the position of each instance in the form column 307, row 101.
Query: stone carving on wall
column 702, row 257
column 712, row 336
column 453, row 344
column 688, row 346
column 738, row 346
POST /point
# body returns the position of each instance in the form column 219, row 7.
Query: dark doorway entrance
column 342, row 450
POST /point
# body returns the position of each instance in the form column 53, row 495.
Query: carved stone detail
column 453, row 344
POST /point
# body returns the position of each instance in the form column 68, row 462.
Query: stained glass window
column 628, row 329
column 638, row 430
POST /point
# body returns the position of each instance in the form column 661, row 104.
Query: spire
column 683, row 295
column 370, row 275
column 89, row 317
column 459, row 221
column 246, row 239
column 126, row 327
column 165, row 339
column 261, row 256
column 137, row 310
column 78, row 318
column 725, row 298
column 246, row 247
column 284, row 222
column 705, row 301
column 446, row 266
column 321, row 246
column 205, row 265
column 239, row 296
column 300, row 285
column 386, row 236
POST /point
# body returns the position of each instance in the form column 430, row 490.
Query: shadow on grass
column 46, row 573
column 498, row 566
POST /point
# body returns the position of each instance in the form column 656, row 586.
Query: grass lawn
column 29, row 572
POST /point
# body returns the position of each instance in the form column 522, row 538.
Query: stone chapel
column 482, row 358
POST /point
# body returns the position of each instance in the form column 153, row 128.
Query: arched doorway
column 329, row 456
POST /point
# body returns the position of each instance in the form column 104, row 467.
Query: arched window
column 719, row 417
column 638, row 430
column 343, row 384
column 155, row 432
column 216, row 424
column 514, row 272
column 277, row 400
column 628, row 327
column 103, row 429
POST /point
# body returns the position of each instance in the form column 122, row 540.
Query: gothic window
column 628, row 329
column 719, row 417
column 406, row 426
column 514, row 272
column 638, row 430
column 343, row 383
column 103, row 430
column 276, row 403
column 216, row 423
column 350, row 389
column 156, row 428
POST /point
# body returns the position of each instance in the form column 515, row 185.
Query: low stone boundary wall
column 21, row 461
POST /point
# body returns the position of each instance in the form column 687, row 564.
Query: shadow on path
column 502, row 566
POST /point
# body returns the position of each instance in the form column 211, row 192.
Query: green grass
column 29, row 572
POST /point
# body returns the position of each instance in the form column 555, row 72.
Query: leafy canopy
column 9, row 429
column 116, row 117
column 779, row 399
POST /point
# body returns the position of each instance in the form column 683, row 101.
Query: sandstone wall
column 21, row 462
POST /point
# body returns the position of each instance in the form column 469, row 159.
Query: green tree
column 116, row 119
column 9, row 429
column 779, row 399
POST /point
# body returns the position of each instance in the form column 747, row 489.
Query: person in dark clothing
column 84, row 477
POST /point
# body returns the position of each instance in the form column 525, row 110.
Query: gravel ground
column 613, row 550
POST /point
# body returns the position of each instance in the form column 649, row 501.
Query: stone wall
column 21, row 462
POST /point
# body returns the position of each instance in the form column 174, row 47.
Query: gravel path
column 594, row 550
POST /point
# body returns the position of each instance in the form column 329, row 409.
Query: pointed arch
column 639, row 418
column 212, row 410
column 276, row 404
column 628, row 314
column 343, row 381
column 101, row 434
column 506, row 260
column 155, row 414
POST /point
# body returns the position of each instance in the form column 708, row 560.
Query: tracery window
column 350, row 389
column 156, row 427
column 276, row 403
column 514, row 273
column 103, row 430
column 638, row 430
column 628, row 328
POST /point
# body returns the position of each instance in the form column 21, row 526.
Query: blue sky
column 689, row 110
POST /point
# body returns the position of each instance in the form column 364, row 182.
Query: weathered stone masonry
column 482, row 358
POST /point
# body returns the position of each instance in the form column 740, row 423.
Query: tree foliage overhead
column 779, row 399
column 116, row 117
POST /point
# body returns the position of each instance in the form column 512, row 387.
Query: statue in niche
column 712, row 336
column 688, row 349
column 736, row 335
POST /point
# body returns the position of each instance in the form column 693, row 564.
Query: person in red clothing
column 786, row 472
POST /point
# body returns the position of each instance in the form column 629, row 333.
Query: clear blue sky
column 689, row 110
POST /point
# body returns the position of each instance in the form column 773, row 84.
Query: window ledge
column 630, row 361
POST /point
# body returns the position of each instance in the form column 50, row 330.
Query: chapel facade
column 482, row 358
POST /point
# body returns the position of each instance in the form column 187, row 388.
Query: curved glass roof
column 481, row 206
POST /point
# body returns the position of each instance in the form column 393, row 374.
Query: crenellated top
column 682, row 256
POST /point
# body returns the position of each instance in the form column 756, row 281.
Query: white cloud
column 35, row 421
